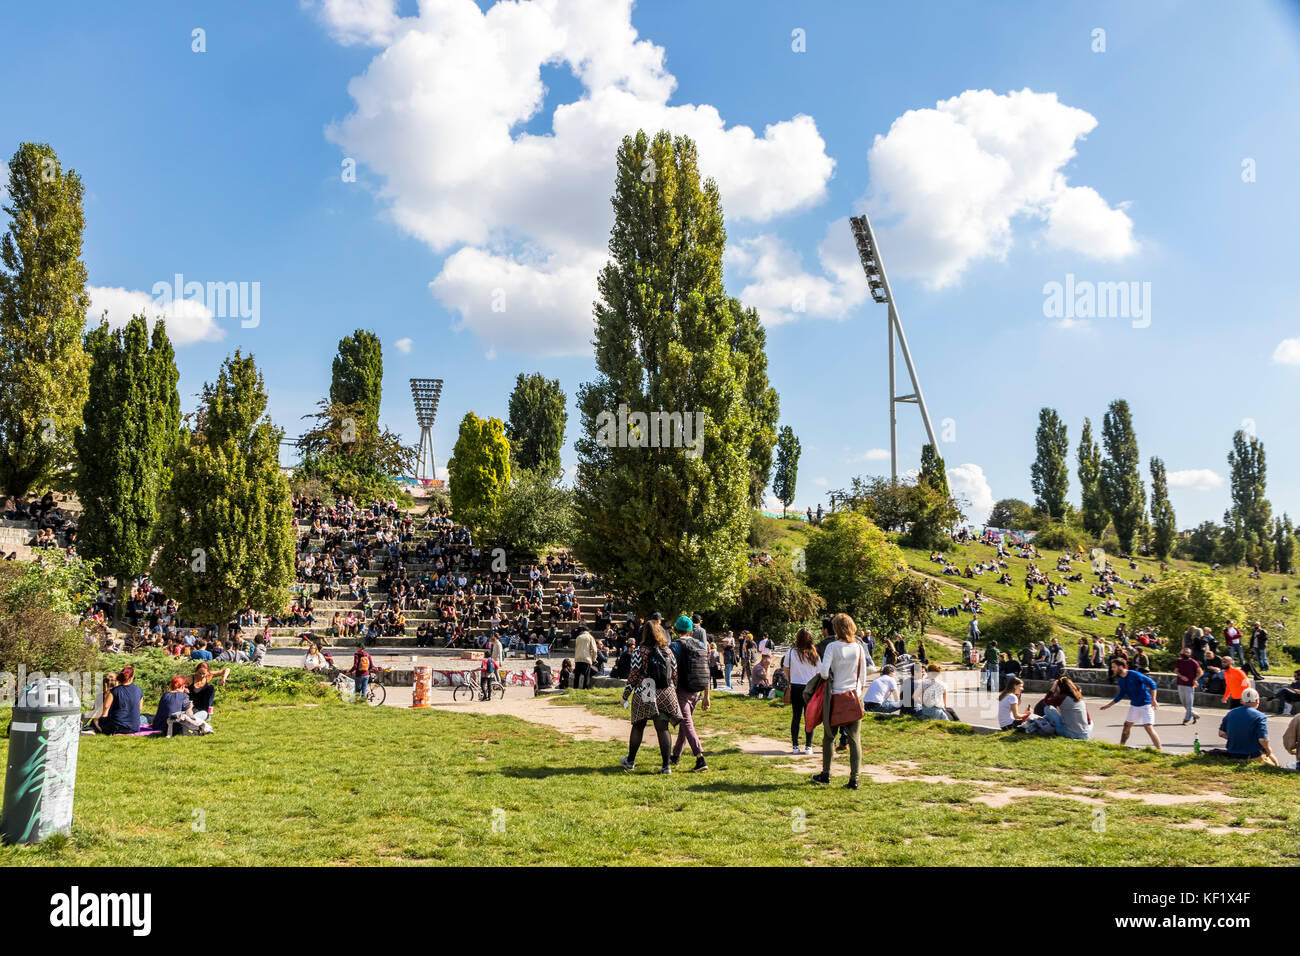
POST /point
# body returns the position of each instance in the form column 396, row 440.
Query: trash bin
column 42, row 766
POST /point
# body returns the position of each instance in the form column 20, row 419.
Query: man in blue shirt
column 1141, row 693
column 1245, row 728
column 201, row 652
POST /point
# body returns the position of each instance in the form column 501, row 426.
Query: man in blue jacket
column 1141, row 693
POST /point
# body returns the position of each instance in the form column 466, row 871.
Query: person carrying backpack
column 651, row 685
column 363, row 665
column 693, row 680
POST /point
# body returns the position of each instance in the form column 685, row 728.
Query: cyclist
column 363, row 665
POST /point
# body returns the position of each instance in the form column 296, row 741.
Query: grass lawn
column 327, row 783
column 1069, row 609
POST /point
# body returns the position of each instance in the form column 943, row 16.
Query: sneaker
column 852, row 784
column 821, row 778
column 699, row 764
column 674, row 758
column 797, row 749
column 626, row 764
column 666, row 768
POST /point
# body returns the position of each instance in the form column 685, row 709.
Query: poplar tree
column 130, row 422
column 1248, row 481
column 1162, row 512
column 225, row 537
column 1122, row 492
column 933, row 472
column 786, row 478
column 43, row 364
column 665, row 521
column 479, row 471
column 1050, row 475
column 535, row 423
column 358, row 373
column 749, row 343
column 1092, row 511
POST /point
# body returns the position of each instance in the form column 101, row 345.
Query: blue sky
column 996, row 149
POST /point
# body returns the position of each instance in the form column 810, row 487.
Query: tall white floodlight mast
column 426, row 392
column 869, row 253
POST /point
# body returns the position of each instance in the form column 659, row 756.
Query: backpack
column 656, row 668
column 363, row 664
column 694, row 668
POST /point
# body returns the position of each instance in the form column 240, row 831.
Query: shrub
column 1023, row 622
column 154, row 668
column 1059, row 537
column 1184, row 599
column 774, row 600
column 37, row 603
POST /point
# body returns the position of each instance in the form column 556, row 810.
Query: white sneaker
column 797, row 749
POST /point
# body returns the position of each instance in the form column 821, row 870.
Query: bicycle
column 376, row 693
column 472, row 689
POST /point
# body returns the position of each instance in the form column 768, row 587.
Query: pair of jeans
column 991, row 679
column 1185, row 696
column 851, row 733
column 933, row 713
column 360, row 684
column 796, row 715
column 1237, row 653
column 1261, row 655
column 727, row 674
column 885, row 707
column 1053, row 714
column 686, row 729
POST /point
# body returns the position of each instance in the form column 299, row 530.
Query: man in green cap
column 692, row 681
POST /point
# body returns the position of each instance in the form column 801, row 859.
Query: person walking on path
column 843, row 668
column 828, row 638
column 800, row 663
column 1235, row 682
column 728, row 658
column 1140, row 691
column 991, row 677
column 652, row 687
column 584, row 655
column 1189, row 672
column 691, row 660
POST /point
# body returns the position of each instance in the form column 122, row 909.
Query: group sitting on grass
column 185, row 707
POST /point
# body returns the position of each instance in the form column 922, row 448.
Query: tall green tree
column 1050, row 475
column 1092, row 510
column 479, row 471
column 1248, row 481
column 933, row 472
column 1011, row 514
column 1284, row 546
column 1165, row 525
column 749, row 344
column 225, row 535
column 535, row 424
column 358, row 373
column 1120, row 484
column 129, row 429
column 351, row 455
column 784, row 481
column 44, row 367
column 666, row 522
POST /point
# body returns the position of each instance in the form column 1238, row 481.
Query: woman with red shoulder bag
column 843, row 668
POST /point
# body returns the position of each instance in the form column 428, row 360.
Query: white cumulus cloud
column 403, row 345
column 1195, row 479
column 438, row 114
column 1287, row 352
column 188, row 320
column 968, row 480
column 948, row 183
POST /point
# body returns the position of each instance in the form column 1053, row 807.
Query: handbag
column 812, row 715
column 847, row 707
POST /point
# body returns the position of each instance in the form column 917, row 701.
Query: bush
column 1059, row 537
column 1183, row 599
column 1023, row 622
column 763, row 531
column 775, row 600
column 37, row 603
column 155, row 668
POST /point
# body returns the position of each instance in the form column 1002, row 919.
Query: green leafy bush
column 1023, row 621
column 155, row 668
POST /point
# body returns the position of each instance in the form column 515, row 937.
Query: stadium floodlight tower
column 426, row 392
column 869, row 253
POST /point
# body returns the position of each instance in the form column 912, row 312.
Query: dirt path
column 581, row 724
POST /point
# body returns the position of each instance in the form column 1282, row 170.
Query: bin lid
column 49, row 693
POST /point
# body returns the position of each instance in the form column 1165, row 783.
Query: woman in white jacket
column 844, row 670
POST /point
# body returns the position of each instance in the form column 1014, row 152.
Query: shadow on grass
column 727, row 786
column 541, row 773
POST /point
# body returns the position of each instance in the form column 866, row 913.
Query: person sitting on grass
column 933, row 703
column 882, row 696
column 121, row 714
column 1009, row 715
column 760, row 676
column 313, row 660
column 1071, row 718
column 174, row 701
column 1245, row 728
column 203, row 693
